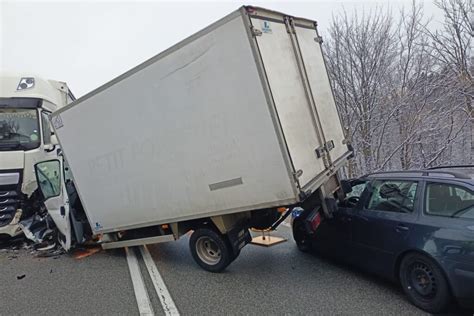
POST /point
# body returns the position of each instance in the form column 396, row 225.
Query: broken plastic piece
column 37, row 228
column 83, row 253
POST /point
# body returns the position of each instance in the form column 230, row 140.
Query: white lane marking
column 141, row 294
column 168, row 305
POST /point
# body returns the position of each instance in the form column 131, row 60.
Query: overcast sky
column 89, row 43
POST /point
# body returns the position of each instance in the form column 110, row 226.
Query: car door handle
column 401, row 228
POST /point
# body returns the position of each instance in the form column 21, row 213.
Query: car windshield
column 19, row 129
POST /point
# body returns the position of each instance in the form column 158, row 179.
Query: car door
column 448, row 221
column 51, row 183
column 381, row 227
column 334, row 235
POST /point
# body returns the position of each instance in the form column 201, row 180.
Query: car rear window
column 449, row 200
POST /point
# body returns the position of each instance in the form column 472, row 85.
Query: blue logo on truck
column 266, row 27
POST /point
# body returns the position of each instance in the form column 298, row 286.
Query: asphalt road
column 273, row 281
column 99, row 284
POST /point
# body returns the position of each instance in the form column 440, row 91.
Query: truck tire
column 424, row 283
column 210, row 250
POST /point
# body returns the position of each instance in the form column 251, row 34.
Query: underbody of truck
column 215, row 241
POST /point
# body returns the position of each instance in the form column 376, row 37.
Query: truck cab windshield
column 19, row 129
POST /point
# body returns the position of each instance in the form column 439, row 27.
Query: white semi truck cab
column 25, row 139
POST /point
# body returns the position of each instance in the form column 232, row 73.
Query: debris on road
column 85, row 252
column 39, row 228
column 54, row 253
column 19, row 277
column 39, row 236
column 13, row 243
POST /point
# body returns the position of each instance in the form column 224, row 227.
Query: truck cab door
column 50, row 177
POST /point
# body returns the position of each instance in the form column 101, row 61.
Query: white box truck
column 25, row 138
column 214, row 135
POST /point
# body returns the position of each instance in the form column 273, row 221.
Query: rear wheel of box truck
column 211, row 250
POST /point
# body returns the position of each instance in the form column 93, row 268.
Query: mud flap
column 238, row 238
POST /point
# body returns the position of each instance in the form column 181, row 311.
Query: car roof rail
column 449, row 167
column 423, row 173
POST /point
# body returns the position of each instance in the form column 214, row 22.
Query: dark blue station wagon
column 414, row 227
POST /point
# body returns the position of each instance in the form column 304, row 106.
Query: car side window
column 392, row 196
column 449, row 200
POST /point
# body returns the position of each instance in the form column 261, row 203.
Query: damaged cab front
column 62, row 203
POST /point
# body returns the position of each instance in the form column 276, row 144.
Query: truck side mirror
column 50, row 147
column 54, row 140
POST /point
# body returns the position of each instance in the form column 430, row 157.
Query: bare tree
column 395, row 90
column 359, row 56
column 452, row 45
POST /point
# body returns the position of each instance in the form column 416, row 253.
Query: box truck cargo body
column 239, row 117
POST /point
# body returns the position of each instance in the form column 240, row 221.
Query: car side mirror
column 346, row 186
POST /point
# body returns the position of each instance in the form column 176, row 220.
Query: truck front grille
column 9, row 203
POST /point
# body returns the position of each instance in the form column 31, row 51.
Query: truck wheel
column 424, row 283
column 210, row 250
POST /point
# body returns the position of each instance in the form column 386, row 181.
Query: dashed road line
column 165, row 298
column 141, row 294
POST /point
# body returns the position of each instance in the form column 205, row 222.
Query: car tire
column 211, row 250
column 424, row 283
column 302, row 240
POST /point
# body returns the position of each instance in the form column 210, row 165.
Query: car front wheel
column 424, row 283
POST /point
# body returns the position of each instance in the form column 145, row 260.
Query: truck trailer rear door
column 295, row 113
column 309, row 43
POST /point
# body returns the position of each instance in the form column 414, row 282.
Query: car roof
column 463, row 174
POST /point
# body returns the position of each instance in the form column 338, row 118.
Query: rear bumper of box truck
column 324, row 176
